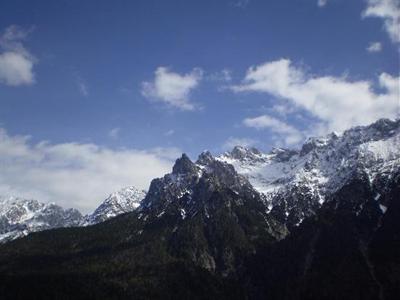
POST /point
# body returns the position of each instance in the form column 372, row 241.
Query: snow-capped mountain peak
column 123, row 201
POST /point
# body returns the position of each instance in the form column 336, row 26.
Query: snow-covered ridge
column 321, row 166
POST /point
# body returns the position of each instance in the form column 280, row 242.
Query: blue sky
column 160, row 77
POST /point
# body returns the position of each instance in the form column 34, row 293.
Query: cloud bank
column 74, row 174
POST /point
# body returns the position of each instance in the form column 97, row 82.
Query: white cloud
column 289, row 134
column 74, row 174
column 16, row 63
column 234, row 141
column 322, row 3
column 374, row 47
column 389, row 12
column 337, row 102
column 114, row 133
column 173, row 88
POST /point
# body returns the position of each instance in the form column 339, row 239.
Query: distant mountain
column 321, row 222
column 19, row 217
column 123, row 201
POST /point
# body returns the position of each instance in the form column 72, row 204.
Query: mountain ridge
column 294, row 183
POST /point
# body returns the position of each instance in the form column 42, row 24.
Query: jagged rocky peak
column 313, row 143
column 283, row 154
column 386, row 125
column 244, row 153
column 221, row 172
column 205, row 158
column 202, row 200
column 381, row 129
column 189, row 180
column 184, row 165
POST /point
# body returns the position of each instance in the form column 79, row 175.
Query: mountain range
column 19, row 216
column 320, row 222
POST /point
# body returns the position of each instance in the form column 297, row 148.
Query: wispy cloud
column 337, row 102
column 75, row 174
column 374, row 47
column 389, row 12
column 172, row 88
column 16, row 62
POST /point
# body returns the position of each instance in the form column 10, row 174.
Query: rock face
column 19, row 217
